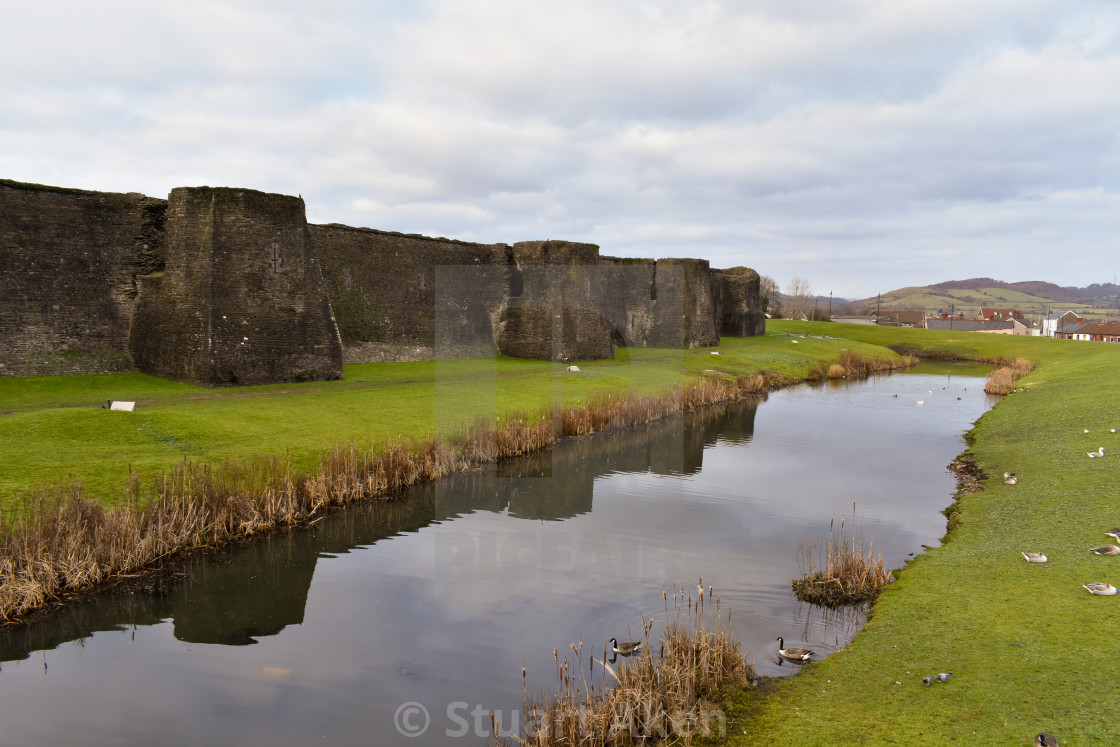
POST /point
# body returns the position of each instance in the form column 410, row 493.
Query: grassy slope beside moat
column 53, row 432
column 1029, row 649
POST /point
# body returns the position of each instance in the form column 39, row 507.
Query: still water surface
column 321, row 635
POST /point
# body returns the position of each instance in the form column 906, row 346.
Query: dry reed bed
column 847, row 574
column 852, row 364
column 62, row 543
column 648, row 699
column 1002, row 379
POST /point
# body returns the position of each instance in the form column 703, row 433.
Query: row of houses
column 1006, row 321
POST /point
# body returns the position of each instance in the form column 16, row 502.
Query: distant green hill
column 1033, row 298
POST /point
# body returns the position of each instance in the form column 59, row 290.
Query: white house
column 1056, row 320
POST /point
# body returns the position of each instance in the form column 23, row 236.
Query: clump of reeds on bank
column 1002, row 379
column 846, row 574
column 61, row 543
column 853, row 364
column 650, row 698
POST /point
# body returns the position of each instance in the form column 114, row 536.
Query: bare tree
column 771, row 296
column 799, row 298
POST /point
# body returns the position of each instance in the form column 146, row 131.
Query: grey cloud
column 860, row 145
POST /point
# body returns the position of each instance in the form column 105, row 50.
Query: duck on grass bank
column 1105, row 550
column 626, row 648
column 1010, row 478
column 1100, row 588
column 1098, row 453
column 793, row 653
column 1035, row 557
column 1113, row 533
column 1045, row 739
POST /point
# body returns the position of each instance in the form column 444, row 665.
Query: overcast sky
column 863, row 145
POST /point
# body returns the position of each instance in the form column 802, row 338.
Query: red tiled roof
column 1099, row 328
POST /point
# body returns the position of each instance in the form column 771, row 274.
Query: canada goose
column 1114, row 533
column 1105, row 550
column 1010, row 478
column 625, row 648
column 1045, row 739
column 793, row 653
column 1101, row 588
column 1035, row 557
column 1098, row 453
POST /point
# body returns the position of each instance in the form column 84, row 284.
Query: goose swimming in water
column 1105, row 550
column 793, row 653
column 626, row 648
column 1103, row 589
column 1035, row 557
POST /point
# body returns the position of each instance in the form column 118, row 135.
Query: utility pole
column 950, row 317
column 830, row 306
column 877, row 303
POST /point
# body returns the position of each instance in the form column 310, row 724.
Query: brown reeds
column 852, row 364
column 61, row 543
column 1002, row 379
column 651, row 698
column 847, row 575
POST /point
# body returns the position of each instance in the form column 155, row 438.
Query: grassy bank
column 1030, row 650
column 195, row 467
column 53, row 432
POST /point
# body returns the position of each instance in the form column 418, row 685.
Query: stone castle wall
column 741, row 313
column 227, row 286
column 242, row 299
column 68, row 263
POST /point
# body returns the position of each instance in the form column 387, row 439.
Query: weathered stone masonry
column 232, row 286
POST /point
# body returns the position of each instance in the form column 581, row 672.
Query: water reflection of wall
column 235, row 596
column 559, row 484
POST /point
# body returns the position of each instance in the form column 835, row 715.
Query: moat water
column 383, row 619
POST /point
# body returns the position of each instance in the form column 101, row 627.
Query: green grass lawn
column 1030, row 650
column 53, row 431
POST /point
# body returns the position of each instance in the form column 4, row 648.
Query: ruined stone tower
column 242, row 298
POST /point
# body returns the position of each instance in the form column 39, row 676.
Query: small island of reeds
column 842, row 572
